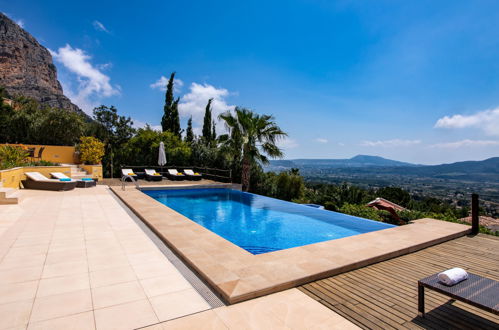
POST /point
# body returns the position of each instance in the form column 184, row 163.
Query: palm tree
column 252, row 137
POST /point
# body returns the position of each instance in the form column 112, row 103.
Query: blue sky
column 416, row 81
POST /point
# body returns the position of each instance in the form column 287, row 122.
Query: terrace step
column 9, row 196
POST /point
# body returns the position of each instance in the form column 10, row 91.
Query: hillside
column 373, row 166
column 26, row 67
column 357, row 161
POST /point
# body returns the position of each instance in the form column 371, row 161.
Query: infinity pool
column 261, row 224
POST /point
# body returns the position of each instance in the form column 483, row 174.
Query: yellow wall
column 56, row 154
column 11, row 178
column 94, row 170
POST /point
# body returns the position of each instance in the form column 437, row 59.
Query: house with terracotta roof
column 385, row 205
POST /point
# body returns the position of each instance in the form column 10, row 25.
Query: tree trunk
column 245, row 175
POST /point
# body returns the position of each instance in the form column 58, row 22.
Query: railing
column 123, row 181
column 215, row 174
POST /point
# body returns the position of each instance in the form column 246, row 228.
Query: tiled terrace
column 77, row 260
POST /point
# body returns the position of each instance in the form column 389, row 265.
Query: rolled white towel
column 452, row 276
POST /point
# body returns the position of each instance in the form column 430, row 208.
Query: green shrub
column 365, row 212
column 12, row 156
column 91, row 150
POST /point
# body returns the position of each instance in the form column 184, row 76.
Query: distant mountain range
column 484, row 171
column 357, row 161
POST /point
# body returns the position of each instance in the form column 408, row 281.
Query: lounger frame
column 49, row 185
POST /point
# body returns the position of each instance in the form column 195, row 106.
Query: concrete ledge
column 238, row 275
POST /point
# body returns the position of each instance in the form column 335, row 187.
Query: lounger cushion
column 36, row 176
column 190, row 172
column 59, row 175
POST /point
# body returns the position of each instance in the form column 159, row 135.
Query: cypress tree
column 166, row 120
column 175, row 119
column 189, row 134
column 214, row 132
column 207, row 123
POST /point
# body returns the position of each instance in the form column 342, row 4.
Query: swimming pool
column 262, row 224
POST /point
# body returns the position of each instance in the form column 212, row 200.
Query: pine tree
column 189, row 134
column 207, row 123
column 175, row 119
column 166, row 120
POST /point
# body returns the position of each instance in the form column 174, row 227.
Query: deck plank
column 384, row 295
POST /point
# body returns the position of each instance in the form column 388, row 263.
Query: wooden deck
column 384, row 295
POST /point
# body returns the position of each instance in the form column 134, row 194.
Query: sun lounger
column 478, row 291
column 173, row 174
column 37, row 180
column 130, row 172
column 192, row 175
column 81, row 183
column 152, row 175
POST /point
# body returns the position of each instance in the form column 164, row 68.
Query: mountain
column 357, row 161
column 368, row 167
column 26, row 67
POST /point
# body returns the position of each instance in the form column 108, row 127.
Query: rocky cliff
column 26, row 67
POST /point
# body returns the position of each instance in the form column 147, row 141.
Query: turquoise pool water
column 261, row 224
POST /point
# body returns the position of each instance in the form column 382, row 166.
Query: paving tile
column 22, row 262
column 154, row 269
column 81, row 321
column 55, row 306
column 248, row 317
column 101, row 262
column 17, row 275
column 207, row 320
column 11, row 292
column 15, row 314
column 63, row 284
column 117, row 294
column 78, row 255
column 65, row 268
column 112, row 276
column 126, row 316
column 177, row 304
column 164, row 284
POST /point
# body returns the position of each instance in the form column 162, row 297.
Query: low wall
column 94, row 170
column 12, row 177
column 56, row 154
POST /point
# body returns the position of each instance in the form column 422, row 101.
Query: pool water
column 262, row 224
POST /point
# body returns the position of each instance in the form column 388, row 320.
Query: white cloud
column 92, row 83
column 287, row 143
column 194, row 103
column 161, row 83
column 141, row 124
column 20, row 22
column 100, row 27
column 465, row 143
column 321, row 140
column 390, row 143
column 487, row 121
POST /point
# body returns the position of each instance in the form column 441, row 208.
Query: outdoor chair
column 39, row 156
column 152, row 175
column 173, row 174
column 192, row 175
column 36, row 180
